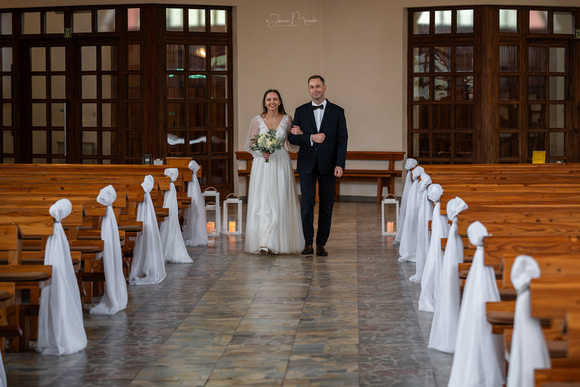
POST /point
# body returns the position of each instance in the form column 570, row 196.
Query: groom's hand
column 337, row 171
column 318, row 138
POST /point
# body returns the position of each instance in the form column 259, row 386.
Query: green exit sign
column 577, row 34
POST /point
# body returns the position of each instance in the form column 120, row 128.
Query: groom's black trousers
column 326, row 184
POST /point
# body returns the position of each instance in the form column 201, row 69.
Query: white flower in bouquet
column 266, row 142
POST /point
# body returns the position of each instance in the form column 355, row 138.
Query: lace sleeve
column 287, row 126
column 252, row 133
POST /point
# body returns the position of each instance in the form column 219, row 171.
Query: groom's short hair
column 316, row 77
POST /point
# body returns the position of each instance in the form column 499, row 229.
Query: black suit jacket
column 329, row 154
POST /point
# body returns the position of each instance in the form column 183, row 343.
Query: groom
column 320, row 131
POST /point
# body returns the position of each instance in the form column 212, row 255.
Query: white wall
column 358, row 46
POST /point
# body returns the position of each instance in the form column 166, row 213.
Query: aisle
column 232, row 319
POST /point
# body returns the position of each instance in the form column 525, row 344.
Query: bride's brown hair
column 280, row 108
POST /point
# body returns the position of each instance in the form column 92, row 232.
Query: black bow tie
column 314, row 107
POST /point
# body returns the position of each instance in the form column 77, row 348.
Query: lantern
column 390, row 214
column 212, row 212
column 232, row 220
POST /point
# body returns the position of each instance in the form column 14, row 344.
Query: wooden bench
column 384, row 177
column 532, row 210
column 20, row 277
column 81, row 184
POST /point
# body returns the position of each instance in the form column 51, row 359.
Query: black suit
column 316, row 162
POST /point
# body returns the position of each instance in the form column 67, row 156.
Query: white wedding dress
column 273, row 217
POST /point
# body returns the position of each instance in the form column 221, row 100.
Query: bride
column 273, row 223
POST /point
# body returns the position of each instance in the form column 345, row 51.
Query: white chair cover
column 408, row 246
column 3, row 382
column 174, row 249
column 529, row 350
column 479, row 358
column 194, row 229
column 148, row 265
column 446, row 317
column 424, row 214
column 434, row 261
column 60, row 320
column 409, row 165
column 115, row 297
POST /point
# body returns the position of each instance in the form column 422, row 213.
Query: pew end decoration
column 389, row 214
column 212, row 212
column 232, row 220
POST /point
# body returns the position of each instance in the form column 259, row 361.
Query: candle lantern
column 232, row 215
column 212, row 211
column 390, row 214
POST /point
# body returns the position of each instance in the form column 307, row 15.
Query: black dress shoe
column 308, row 250
column 321, row 251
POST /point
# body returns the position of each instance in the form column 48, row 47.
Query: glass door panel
column 99, row 104
column 47, row 103
column 548, row 84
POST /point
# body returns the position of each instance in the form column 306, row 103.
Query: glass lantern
column 232, row 220
column 212, row 212
column 390, row 214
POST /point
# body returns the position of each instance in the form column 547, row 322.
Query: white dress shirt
column 318, row 114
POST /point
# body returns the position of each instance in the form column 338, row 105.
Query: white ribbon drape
column 479, row 356
column 424, row 214
column 174, row 250
column 60, row 320
column 194, row 228
column 115, row 297
column 409, row 165
column 529, row 350
column 408, row 246
column 433, row 262
column 446, row 317
column 148, row 265
column 3, row 382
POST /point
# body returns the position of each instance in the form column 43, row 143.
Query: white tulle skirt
column 273, row 218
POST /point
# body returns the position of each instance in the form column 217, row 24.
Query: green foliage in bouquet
column 266, row 142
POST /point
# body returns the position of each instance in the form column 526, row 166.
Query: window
column 442, row 86
column 101, row 98
column 521, row 79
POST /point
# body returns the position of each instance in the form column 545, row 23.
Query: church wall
column 358, row 46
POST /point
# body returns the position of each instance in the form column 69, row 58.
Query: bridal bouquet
column 266, row 142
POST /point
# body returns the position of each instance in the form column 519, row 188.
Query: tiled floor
column 236, row 319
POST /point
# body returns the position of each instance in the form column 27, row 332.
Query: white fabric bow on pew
column 174, row 249
column 148, row 265
column 194, row 229
column 424, row 214
column 444, row 324
column 409, row 165
column 115, row 297
column 434, row 261
column 3, row 382
column 479, row 359
column 529, row 350
column 60, row 319
column 408, row 246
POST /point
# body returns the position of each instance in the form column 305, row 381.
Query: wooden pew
column 528, row 209
column 7, row 298
column 24, row 277
column 36, row 225
column 81, row 184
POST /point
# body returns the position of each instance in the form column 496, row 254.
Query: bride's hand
column 296, row 130
column 266, row 155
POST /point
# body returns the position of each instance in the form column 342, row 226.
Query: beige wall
column 358, row 46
